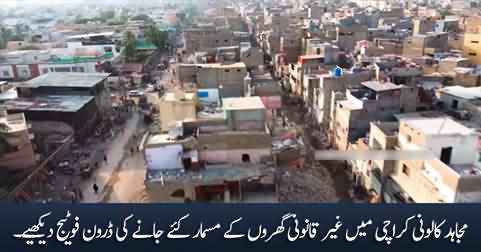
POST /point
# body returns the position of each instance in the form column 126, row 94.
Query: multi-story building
column 425, row 44
column 207, row 36
column 228, row 78
column 453, row 174
column 374, row 101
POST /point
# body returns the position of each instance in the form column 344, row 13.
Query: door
column 446, row 155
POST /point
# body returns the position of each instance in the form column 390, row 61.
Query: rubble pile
column 312, row 184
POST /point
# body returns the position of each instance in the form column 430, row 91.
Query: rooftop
column 178, row 95
column 349, row 105
column 66, row 80
column 159, row 139
column 88, row 35
column 222, row 65
column 380, row 86
column 144, row 45
column 437, row 125
column 49, row 103
column 463, row 92
column 243, row 103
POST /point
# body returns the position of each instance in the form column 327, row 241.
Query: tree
column 106, row 15
column 129, row 43
column 156, row 36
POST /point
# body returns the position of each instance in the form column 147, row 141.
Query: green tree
column 156, row 36
column 129, row 43
column 106, row 15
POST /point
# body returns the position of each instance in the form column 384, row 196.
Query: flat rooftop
column 462, row 92
column 222, row 65
column 66, row 80
column 437, row 126
column 349, row 105
column 380, row 86
column 243, row 103
column 156, row 139
column 49, row 103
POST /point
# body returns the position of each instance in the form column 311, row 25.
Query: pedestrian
column 80, row 194
column 138, row 148
column 132, row 151
column 96, row 188
column 105, row 158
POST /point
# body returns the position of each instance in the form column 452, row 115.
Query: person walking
column 105, row 158
column 132, row 151
column 96, row 188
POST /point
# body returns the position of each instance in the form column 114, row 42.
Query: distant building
column 25, row 65
column 425, row 44
column 71, row 84
column 228, row 78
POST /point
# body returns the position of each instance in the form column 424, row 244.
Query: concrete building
column 25, row 65
column 80, row 112
column 329, row 84
column 423, row 25
column 425, row 44
column 176, row 106
column 374, row 101
column 453, row 175
column 228, row 78
column 307, row 64
column 206, row 36
column 16, row 148
column 71, row 84
column 455, row 97
column 349, row 33
column 472, row 47
column 245, row 113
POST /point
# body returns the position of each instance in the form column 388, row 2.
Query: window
column 246, row 158
column 62, row 69
column 226, row 40
column 406, row 170
column 454, row 105
column 446, row 155
column 45, row 70
column 472, row 54
column 226, row 70
column 24, row 73
column 474, row 41
column 6, row 73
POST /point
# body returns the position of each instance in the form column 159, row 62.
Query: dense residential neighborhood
column 247, row 101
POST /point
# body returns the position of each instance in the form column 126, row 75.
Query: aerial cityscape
column 240, row 101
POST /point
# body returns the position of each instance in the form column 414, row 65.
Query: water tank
column 338, row 71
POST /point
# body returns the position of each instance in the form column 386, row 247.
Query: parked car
column 136, row 93
column 66, row 167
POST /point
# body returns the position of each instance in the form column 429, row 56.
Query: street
column 115, row 153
